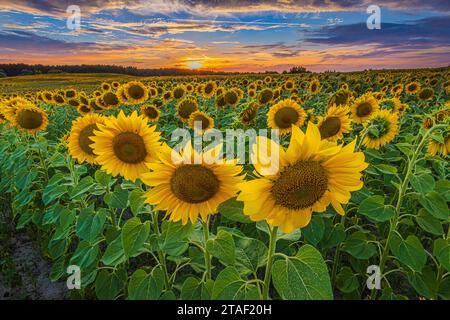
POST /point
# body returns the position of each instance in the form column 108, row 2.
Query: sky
column 227, row 35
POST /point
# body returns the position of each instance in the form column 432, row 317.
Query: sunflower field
column 358, row 208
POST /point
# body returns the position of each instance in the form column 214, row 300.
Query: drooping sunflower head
column 427, row 122
column 150, row 112
column 313, row 173
column 186, row 107
column 335, row 123
column 265, row 96
column 284, row 115
column 136, row 92
column 364, row 107
column 29, row 118
column 79, row 141
column 341, row 97
column 382, row 127
column 200, row 121
column 186, row 189
column 220, row 101
column 440, row 146
column 249, row 113
column 125, row 145
column 425, row 94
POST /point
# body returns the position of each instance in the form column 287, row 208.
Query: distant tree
column 55, row 71
column 26, row 72
column 298, row 69
column 3, row 74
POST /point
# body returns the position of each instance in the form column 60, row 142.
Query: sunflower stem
column 401, row 193
column 270, row 256
column 207, row 255
column 161, row 256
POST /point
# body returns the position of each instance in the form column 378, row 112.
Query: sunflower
column 289, row 84
column 314, row 87
column 178, row 92
column 125, row 145
column 391, row 104
column 203, row 121
column 425, row 94
column 231, row 97
column 284, row 114
column 79, row 141
column 167, row 95
column 105, row 86
column 412, row 87
column 187, row 190
column 150, row 112
column 85, row 109
column 59, row 99
column 136, row 92
column 186, row 107
column 427, row 122
column 209, row 89
column 341, row 97
column 110, row 99
column 30, row 118
column 47, row 96
column 364, row 107
column 220, row 101
column 313, row 173
column 382, row 127
column 265, row 96
column 335, row 123
column 249, row 113
column 440, row 147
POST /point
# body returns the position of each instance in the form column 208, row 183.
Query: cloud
column 419, row 34
column 58, row 8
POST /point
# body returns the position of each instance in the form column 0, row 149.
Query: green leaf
column 114, row 253
column 65, row 224
column 134, row 234
column 233, row 210
column 52, row 192
column 230, row 286
column 174, row 237
column 250, row 253
column 84, row 255
column 429, row 223
column 108, row 285
column 136, row 199
column 441, row 250
column 424, row 283
column 386, row 169
column 443, row 188
column 422, row 183
column 302, row 277
column 90, row 224
column 222, row 247
column 117, row 199
column 315, row 230
column 358, row 246
column 144, row 286
column 436, row 205
column 191, row 289
column 375, row 209
column 84, row 186
column 409, row 252
column 346, row 280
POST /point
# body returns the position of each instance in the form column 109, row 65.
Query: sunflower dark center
column 265, row 96
column 129, row 147
column 300, row 186
column 151, row 112
column 203, row 120
column 209, row 88
column 136, row 92
column 330, row 127
column 231, row 97
column 30, row 119
column 110, row 99
column 84, row 138
column 178, row 93
column 286, row 117
column 186, row 109
column 194, row 183
column 364, row 109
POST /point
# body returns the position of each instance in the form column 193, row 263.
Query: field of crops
column 357, row 207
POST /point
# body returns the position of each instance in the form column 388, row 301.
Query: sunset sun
column 194, row 64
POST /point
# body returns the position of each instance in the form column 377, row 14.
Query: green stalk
column 270, row 256
column 401, row 194
column 207, row 255
column 161, row 256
